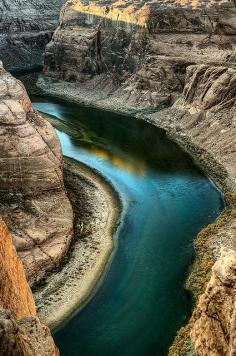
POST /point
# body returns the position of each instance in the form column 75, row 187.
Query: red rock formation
column 21, row 332
column 15, row 293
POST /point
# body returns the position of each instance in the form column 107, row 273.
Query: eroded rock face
column 209, row 88
column 206, row 116
column 26, row 27
column 139, row 50
column 214, row 320
column 33, row 200
column 21, row 332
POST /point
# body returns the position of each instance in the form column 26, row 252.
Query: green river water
column 141, row 302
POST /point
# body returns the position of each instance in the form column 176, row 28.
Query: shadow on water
column 141, row 303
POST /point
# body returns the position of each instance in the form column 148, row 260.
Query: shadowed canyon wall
column 26, row 26
column 21, row 332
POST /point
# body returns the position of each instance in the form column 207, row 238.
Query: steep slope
column 33, row 200
column 21, row 332
column 25, row 29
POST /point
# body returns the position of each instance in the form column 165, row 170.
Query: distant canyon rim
column 172, row 63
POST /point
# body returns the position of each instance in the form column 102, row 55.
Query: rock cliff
column 138, row 51
column 33, row 200
column 21, row 332
column 26, row 26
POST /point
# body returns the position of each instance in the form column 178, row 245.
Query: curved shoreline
column 210, row 240
column 70, row 288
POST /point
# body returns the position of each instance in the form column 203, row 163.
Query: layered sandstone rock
column 138, row 50
column 214, row 320
column 25, row 29
column 33, row 200
column 21, row 332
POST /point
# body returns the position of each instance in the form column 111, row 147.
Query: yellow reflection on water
column 129, row 164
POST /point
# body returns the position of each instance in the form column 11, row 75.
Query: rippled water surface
column 141, row 302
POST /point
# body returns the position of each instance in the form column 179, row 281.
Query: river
column 141, row 302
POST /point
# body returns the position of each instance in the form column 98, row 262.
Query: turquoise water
column 141, row 302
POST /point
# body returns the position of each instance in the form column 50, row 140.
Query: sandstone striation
column 21, row 332
column 25, row 29
column 33, row 200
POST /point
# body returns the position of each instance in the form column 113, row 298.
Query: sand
column 97, row 208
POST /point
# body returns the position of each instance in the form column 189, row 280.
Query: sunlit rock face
column 21, row 332
column 33, row 200
column 214, row 320
column 15, row 293
column 26, row 26
column 139, row 50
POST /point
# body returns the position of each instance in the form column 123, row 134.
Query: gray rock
column 25, row 29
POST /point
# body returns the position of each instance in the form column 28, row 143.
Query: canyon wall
column 26, row 26
column 138, row 51
column 33, row 200
column 172, row 63
column 21, row 332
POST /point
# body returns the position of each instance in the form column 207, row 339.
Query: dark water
column 141, row 302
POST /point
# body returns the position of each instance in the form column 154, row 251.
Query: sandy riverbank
column 97, row 209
